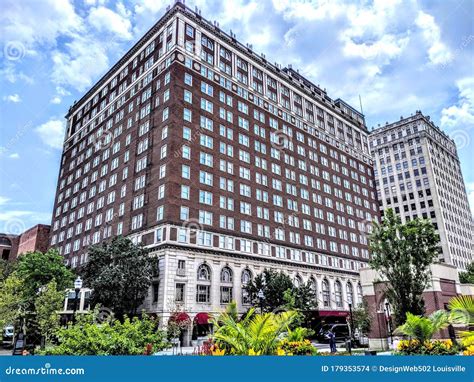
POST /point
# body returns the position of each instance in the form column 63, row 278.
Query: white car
column 7, row 336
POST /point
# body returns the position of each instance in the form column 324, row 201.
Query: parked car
column 7, row 336
column 341, row 331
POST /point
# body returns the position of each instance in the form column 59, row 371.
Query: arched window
column 226, row 288
column 246, row 279
column 204, row 273
column 298, row 281
column 338, row 294
column 226, row 275
column 246, row 276
column 203, row 286
column 359, row 293
column 350, row 293
column 326, row 295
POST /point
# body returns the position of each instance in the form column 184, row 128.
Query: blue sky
column 400, row 56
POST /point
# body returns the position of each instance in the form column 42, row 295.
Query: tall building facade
column 223, row 164
column 418, row 174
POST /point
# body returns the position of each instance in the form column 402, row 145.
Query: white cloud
column 15, row 98
column 317, row 10
column 83, row 61
column 387, row 47
column 106, row 20
column 460, row 115
column 52, row 133
column 14, row 156
column 31, row 22
column 438, row 52
column 3, row 200
column 56, row 100
column 17, row 221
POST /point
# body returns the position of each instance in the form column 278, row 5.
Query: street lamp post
column 77, row 289
column 260, row 296
column 352, row 320
column 389, row 321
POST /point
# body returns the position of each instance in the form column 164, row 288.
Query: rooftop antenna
column 360, row 101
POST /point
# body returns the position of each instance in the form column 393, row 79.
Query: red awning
column 201, row 319
column 180, row 317
column 332, row 313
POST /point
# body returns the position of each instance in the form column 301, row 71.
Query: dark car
column 341, row 332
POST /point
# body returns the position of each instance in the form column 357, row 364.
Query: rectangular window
column 203, row 293
column 179, row 296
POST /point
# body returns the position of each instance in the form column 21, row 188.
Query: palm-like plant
column 423, row 328
column 254, row 334
column 462, row 312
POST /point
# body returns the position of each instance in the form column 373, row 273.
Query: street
column 5, row 351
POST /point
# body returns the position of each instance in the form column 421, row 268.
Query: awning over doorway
column 332, row 313
column 180, row 317
column 201, row 318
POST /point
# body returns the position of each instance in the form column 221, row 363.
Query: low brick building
column 34, row 239
column 8, row 246
column 444, row 286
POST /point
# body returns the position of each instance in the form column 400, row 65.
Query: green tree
column 362, row 318
column 302, row 298
column 120, row 274
column 47, row 305
column 274, row 285
column 130, row 337
column 402, row 254
column 13, row 301
column 468, row 276
column 37, row 269
column 6, row 269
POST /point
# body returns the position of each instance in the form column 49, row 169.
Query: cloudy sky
column 399, row 56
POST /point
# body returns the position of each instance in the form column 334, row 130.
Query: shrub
column 304, row 347
column 255, row 334
column 87, row 337
column 469, row 350
column 433, row 347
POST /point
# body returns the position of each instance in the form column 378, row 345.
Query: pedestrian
column 332, row 341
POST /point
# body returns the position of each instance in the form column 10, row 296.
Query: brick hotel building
column 222, row 163
column 418, row 174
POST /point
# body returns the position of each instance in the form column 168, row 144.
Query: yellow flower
column 448, row 344
column 216, row 351
column 469, row 350
column 253, row 352
column 280, row 351
column 428, row 345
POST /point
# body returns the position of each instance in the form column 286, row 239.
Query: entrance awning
column 332, row 313
column 180, row 317
column 201, row 318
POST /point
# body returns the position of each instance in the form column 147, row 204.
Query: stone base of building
column 379, row 344
column 175, row 288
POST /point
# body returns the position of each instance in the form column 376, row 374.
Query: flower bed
column 431, row 347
